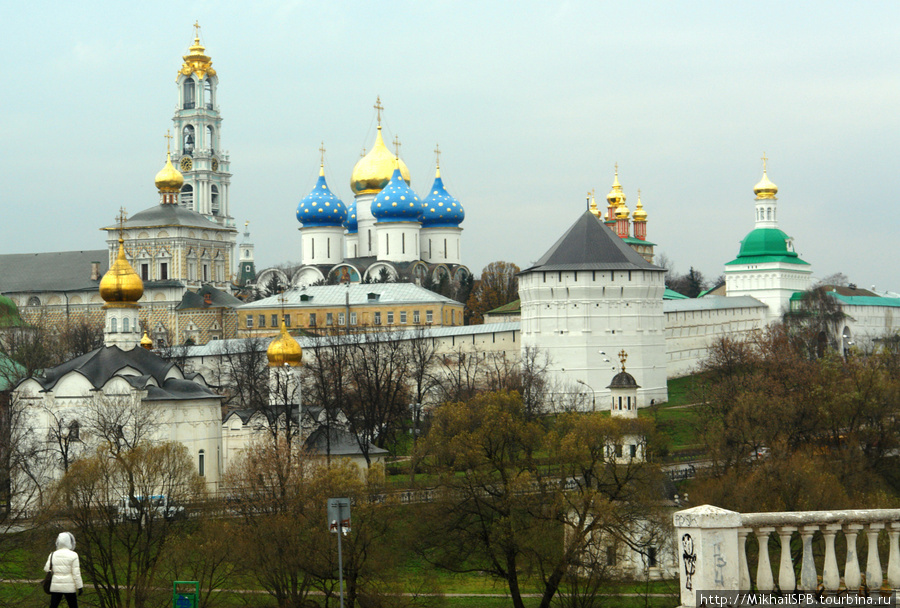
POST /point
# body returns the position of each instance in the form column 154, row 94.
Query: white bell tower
column 198, row 126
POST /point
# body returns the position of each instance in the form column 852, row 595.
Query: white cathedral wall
column 441, row 245
column 398, row 241
column 574, row 318
column 322, row 244
column 772, row 283
column 366, row 240
column 867, row 324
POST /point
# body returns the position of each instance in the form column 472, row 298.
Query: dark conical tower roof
column 590, row 245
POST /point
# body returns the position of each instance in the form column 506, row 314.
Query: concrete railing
column 712, row 551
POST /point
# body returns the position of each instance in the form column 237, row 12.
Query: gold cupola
column 197, row 61
column 121, row 287
column 146, row 342
column 284, row 350
column 169, row 179
column 765, row 188
column 639, row 214
column 616, row 196
column 373, row 171
column 622, row 211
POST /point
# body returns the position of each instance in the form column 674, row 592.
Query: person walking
column 66, row 579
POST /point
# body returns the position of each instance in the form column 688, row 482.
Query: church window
column 620, row 403
column 575, row 276
column 445, row 249
column 262, row 320
column 205, row 273
column 769, row 213
column 429, row 249
column 559, row 278
column 313, row 248
column 201, row 463
column 214, row 199
column 369, row 236
column 125, row 328
column 387, row 244
column 403, row 243
column 208, row 95
column 34, row 301
column 619, row 451
column 187, row 196
column 612, row 276
column 74, row 430
column 329, row 318
column 211, row 139
column 163, row 271
column 651, row 557
column 145, row 272
column 187, row 136
column 628, row 402
column 188, row 93
column 545, row 276
column 113, row 325
column 328, row 247
column 629, row 275
column 274, row 320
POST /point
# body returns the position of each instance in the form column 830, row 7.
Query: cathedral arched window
column 201, row 463
column 34, row 301
column 208, row 94
column 187, row 196
column 211, row 139
column 113, row 325
column 188, row 139
column 769, row 213
column 188, row 93
column 214, row 190
column 125, row 328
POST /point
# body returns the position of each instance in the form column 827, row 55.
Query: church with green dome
column 767, row 267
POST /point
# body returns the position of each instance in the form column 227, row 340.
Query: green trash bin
column 185, row 594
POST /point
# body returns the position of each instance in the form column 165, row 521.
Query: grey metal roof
column 169, row 215
column 711, row 303
column 241, row 345
column 342, row 443
column 336, row 295
column 100, row 365
column 54, row 271
column 590, row 245
column 623, row 380
column 217, row 297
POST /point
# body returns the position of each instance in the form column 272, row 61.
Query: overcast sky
column 532, row 104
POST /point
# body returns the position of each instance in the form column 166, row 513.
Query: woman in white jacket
column 66, row 579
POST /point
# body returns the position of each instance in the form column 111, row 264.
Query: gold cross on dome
column 639, row 193
column 121, row 220
column 197, row 29
column 397, row 145
column 322, row 150
column 617, row 169
column 168, row 141
column 623, row 356
column 765, row 161
column 363, row 153
column 378, row 108
column 437, row 154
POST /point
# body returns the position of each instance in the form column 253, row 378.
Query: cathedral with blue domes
column 386, row 233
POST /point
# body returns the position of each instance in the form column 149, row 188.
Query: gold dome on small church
column 169, row 179
column 284, row 350
column 765, row 188
column 121, row 287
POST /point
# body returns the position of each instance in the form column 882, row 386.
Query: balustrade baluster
column 874, row 576
column 831, row 576
column 894, row 557
column 764, row 580
column 786, row 579
column 852, row 577
column 809, row 581
column 743, row 566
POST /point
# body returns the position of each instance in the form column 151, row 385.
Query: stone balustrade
column 713, row 556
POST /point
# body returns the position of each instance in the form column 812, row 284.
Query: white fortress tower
column 589, row 293
column 767, row 267
column 198, row 131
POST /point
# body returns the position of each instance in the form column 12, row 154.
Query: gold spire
column 616, row 196
column 169, row 179
column 197, row 61
column 639, row 214
column 322, row 162
column 765, row 188
column 437, row 160
column 121, row 287
column 373, row 171
column 146, row 342
column 284, row 350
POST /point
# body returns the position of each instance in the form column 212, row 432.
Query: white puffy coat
column 66, row 569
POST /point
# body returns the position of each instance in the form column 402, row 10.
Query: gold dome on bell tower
column 197, row 61
column 373, row 171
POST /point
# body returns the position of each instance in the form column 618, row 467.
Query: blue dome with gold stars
column 351, row 223
column 321, row 207
column 397, row 202
column 440, row 209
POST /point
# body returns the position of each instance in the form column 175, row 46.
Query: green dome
column 766, row 245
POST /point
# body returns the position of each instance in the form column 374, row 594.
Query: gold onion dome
column 121, row 287
column 146, row 342
column 197, row 61
column 284, row 350
column 765, row 188
column 622, row 211
column 616, row 197
column 373, row 171
column 169, row 179
column 639, row 214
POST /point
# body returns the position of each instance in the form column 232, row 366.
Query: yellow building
column 380, row 305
